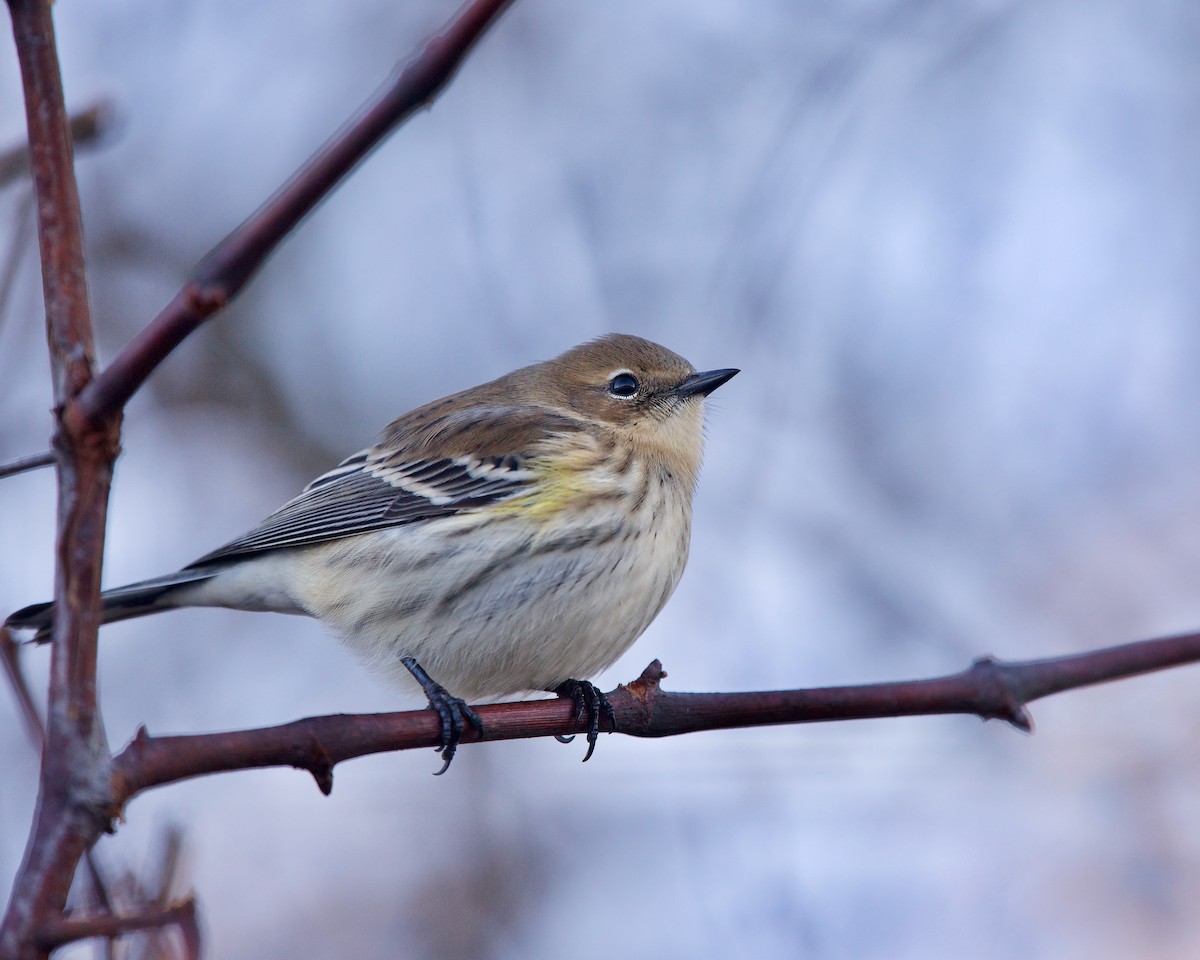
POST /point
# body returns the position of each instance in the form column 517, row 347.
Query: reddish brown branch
column 76, row 759
column 85, row 457
column 152, row 916
column 989, row 689
column 225, row 270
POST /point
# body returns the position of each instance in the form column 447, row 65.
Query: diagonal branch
column 10, row 655
column 989, row 689
column 226, row 269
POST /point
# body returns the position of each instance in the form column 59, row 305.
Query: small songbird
column 514, row 537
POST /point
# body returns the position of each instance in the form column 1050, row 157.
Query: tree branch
column 75, row 764
column 86, row 126
column 10, row 655
column 989, row 689
column 34, row 461
column 150, row 916
column 227, row 268
column 76, row 767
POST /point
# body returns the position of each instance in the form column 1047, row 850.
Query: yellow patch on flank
column 564, row 478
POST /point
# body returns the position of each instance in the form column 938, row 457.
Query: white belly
column 522, row 608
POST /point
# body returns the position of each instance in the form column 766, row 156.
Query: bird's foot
column 589, row 701
column 454, row 712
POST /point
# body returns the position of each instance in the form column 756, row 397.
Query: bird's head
column 643, row 393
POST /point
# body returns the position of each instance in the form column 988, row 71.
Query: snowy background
column 953, row 248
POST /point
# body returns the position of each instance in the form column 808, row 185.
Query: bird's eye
column 623, row 386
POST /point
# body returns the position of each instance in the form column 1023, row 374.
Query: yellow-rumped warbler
column 517, row 536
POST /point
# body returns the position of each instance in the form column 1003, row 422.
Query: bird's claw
column 589, row 700
column 454, row 712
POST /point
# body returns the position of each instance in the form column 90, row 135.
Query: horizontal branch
column 86, row 126
column 35, row 461
column 229, row 265
column 989, row 689
column 152, row 916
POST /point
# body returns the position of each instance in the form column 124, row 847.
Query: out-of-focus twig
column 65, row 930
column 101, row 895
column 86, row 126
column 156, row 944
column 24, row 464
column 10, row 654
column 22, row 232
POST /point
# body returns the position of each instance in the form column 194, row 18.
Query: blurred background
column 953, row 248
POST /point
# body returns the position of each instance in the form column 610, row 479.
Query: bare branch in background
column 25, row 464
column 151, row 916
column 22, row 232
column 10, row 655
column 228, row 266
column 87, row 127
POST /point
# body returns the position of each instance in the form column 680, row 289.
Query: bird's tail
column 120, row 603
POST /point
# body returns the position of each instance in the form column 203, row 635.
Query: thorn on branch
column 320, row 765
column 639, row 698
column 645, row 685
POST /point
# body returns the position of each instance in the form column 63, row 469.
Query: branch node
column 320, row 765
column 205, row 299
column 640, row 696
column 95, row 441
column 1000, row 701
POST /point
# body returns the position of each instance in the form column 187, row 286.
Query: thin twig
column 170, row 857
column 65, row 930
column 87, row 127
column 10, row 654
column 101, row 894
column 34, row 461
column 229, row 265
column 22, row 230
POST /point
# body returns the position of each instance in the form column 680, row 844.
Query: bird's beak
column 702, row 384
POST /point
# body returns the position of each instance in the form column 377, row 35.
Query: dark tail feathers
column 120, row 603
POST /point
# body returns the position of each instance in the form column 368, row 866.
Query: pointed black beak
column 702, row 384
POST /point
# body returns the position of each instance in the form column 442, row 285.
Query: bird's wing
column 419, row 471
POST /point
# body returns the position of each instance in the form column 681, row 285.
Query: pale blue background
column 953, row 247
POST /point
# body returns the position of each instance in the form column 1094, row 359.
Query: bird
column 517, row 536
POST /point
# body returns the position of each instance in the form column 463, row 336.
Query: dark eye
column 623, row 386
